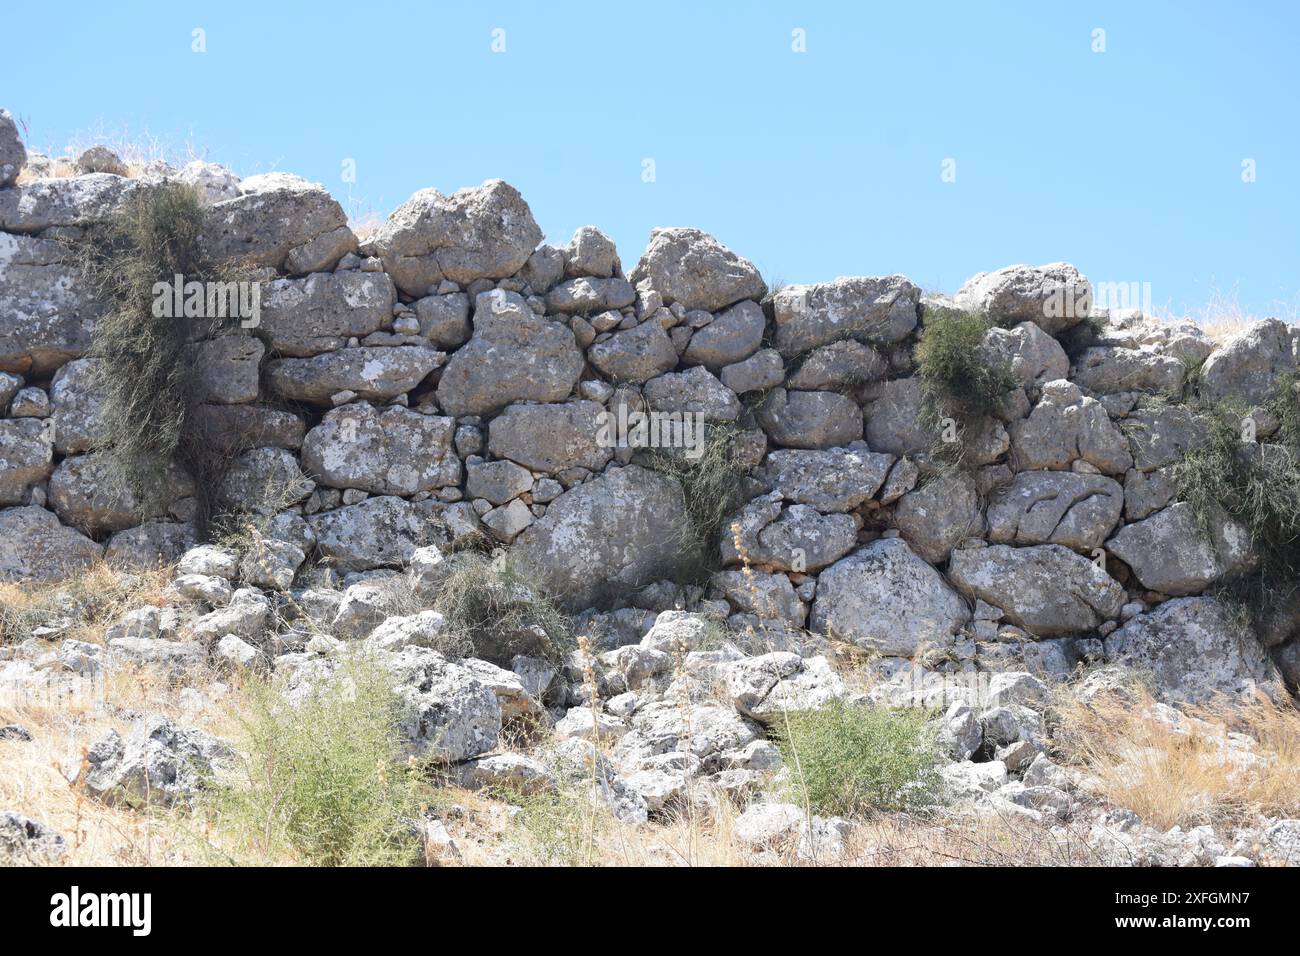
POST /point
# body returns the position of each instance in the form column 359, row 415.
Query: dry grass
column 1223, row 316
column 137, row 151
column 1186, row 771
column 91, row 599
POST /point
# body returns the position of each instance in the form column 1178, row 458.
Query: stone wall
column 446, row 376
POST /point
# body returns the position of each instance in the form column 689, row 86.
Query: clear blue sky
column 817, row 164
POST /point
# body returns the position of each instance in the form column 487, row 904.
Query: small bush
column 494, row 611
column 713, row 485
column 1256, row 484
column 859, row 758
column 955, row 378
column 326, row 782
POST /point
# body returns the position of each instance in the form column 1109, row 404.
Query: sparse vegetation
column 145, row 365
column 858, row 759
column 79, row 607
column 326, row 783
column 494, row 611
column 956, row 379
column 1181, row 771
column 713, row 487
column 1256, row 484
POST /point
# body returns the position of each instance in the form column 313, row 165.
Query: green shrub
column 326, row 781
column 956, row 380
column 494, row 611
column 145, row 366
column 714, row 485
column 860, row 758
column 1256, row 484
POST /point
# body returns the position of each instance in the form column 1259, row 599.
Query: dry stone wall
column 450, row 375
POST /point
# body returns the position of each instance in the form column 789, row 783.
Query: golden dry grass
column 1187, row 772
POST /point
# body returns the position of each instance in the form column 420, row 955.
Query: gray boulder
column 875, row 309
column 20, row 836
column 550, row 438
column 1247, row 365
column 591, row 253
column 940, row 514
column 693, row 268
column 36, row 548
column 278, row 220
column 731, row 337
column 478, row 232
column 810, row 419
column 319, row 313
column 63, row 201
column 514, row 355
column 840, row 365
column 26, row 457
column 90, row 492
column 381, row 532
column 832, row 479
column 886, row 598
column 589, row 296
column 1032, row 356
column 376, row 374
column 1045, row 589
column 895, row 418
column 797, row 538
column 157, row 763
column 226, row 370
column 1171, row 553
column 1055, row 296
column 634, row 355
column 1064, row 427
column 621, row 529
column 13, row 155
column 390, row 451
column 45, row 317
column 444, row 319
column 1055, row 507
column 1191, row 649
column 696, row 391
column 1103, row 369
column 1163, row 434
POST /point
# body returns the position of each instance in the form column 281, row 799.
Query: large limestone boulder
column 1105, row 368
column 514, row 355
column 731, row 337
column 1046, row 589
column 1055, row 507
column 798, row 538
column 586, row 296
column 591, row 253
column 810, row 419
column 1055, row 296
column 226, row 370
column 478, row 232
column 229, row 429
column 940, row 514
column 89, row 492
column 1170, row 552
column 26, row 457
column 45, row 318
column 1247, row 365
column 696, row 391
column 1161, row 435
column 376, row 374
column 1032, row 356
column 693, row 268
column 874, row 309
column 1191, row 649
column 1065, row 427
column 13, row 155
column 263, row 481
column 886, row 598
column 393, row 451
column 895, row 418
column 634, row 355
column 319, row 313
column 381, row 532
column 36, row 548
column 551, row 437
column 278, row 220
column 845, row 364
column 620, row 530
column 832, row 479
column 65, row 201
